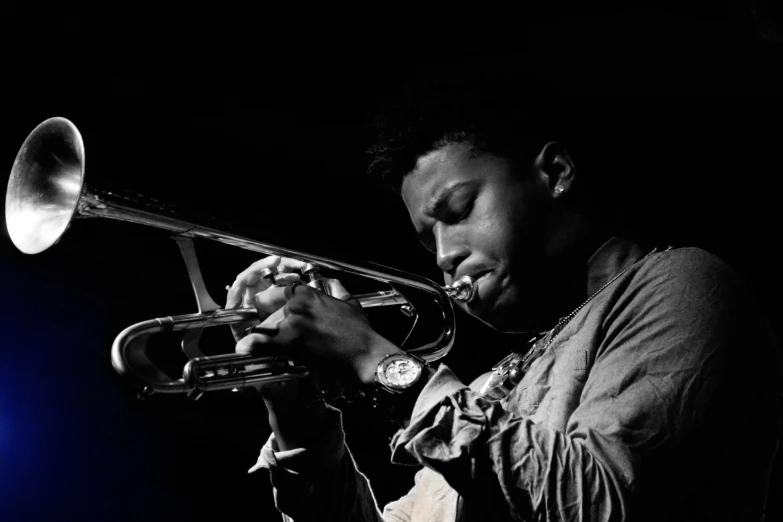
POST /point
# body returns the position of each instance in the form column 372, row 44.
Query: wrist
column 295, row 425
column 367, row 365
column 399, row 406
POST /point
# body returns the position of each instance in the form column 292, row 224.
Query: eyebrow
column 437, row 202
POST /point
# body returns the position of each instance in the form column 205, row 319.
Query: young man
column 653, row 395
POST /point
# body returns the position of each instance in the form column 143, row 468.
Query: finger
column 288, row 264
column 300, row 298
column 234, row 296
column 251, row 281
column 253, row 344
column 271, row 325
column 337, row 290
column 283, row 279
column 257, row 344
column 268, row 301
column 240, row 330
column 250, row 278
column 252, row 274
column 280, row 279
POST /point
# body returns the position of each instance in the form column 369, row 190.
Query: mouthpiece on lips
column 463, row 289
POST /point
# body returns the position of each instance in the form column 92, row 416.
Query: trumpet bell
column 45, row 185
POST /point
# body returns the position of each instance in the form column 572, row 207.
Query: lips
column 481, row 274
column 477, row 278
column 481, row 279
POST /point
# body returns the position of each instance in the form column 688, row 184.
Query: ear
column 555, row 168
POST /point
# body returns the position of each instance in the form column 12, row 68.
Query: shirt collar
column 610, row 259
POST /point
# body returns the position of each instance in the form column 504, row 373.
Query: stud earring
column 559, row 189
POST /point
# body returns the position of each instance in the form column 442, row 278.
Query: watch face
column 401, row 371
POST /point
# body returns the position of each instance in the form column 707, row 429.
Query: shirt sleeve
column 321, row 482
column 662, row 352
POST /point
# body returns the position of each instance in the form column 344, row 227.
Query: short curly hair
column 486, row 104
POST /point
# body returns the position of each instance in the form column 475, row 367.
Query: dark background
column 261, row 118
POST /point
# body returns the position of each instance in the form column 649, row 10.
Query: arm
column 311, row 469
column 661, row 353
column 321, row 482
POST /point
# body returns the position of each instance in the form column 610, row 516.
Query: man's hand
column 250, row 282
column 281, row 396
column 323, row 331
column 320, row 330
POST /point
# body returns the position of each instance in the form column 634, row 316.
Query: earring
column 559, row 189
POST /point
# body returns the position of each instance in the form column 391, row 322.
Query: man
column 654, row 393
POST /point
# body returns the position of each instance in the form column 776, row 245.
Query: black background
column 261, row 117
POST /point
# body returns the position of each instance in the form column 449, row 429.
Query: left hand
column 323, row 330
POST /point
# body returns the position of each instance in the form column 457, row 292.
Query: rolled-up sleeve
column 664, row 333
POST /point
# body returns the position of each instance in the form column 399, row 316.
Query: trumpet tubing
column 46, row 192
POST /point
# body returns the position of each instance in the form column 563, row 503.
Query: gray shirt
column 660, row 400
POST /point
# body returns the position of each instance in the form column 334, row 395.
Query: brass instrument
column 46, row 191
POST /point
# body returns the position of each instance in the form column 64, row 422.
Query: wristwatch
column 399, row 372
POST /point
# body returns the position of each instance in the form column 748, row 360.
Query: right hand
column 251, row 290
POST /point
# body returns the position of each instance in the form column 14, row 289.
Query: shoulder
column 683, row 293
column 689, row 300
column 688, row 262
column 691, row 273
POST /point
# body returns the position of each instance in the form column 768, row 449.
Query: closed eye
column 460, row 207
column 453, row 206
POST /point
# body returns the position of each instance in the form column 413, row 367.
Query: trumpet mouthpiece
column 463, row 289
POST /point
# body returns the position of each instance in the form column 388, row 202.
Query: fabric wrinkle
column 634, row 386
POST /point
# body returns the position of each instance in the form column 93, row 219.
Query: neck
column 576, row 241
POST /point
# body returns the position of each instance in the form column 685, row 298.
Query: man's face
column 481, row 219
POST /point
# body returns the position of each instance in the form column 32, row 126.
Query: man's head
column 486, row 105
column 483, row 182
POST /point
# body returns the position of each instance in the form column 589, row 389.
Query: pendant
column 499, row 382
column 508, row 372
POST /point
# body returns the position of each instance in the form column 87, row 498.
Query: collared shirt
column 660, row 400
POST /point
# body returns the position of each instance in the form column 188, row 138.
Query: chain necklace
column 509, row 371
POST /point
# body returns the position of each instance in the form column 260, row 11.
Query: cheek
column 488, row 234
column 506, row 224
column 493, row 237
column 516, row 237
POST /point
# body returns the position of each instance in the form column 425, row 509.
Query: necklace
column 509, row 371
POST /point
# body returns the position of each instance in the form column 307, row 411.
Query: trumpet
column 46, row 192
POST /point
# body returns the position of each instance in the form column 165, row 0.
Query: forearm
column 318, row 480
column 296, row 427
column 343, row 494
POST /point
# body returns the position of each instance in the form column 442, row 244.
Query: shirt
column 659, row 400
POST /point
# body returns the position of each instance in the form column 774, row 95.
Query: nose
column 450, row 249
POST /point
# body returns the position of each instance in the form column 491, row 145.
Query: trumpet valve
column 311, row 272
column 269, row 274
